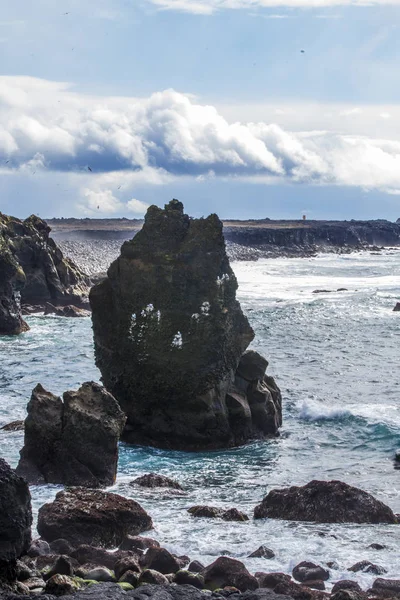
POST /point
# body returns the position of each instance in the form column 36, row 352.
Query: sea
column 335, row 356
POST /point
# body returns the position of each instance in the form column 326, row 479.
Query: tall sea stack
column 170, row 339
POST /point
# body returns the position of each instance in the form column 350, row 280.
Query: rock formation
column 73, row 441
column 15, row 520
column 169, row 336
column 83, row 516
column 324, row 502
column 34, row 271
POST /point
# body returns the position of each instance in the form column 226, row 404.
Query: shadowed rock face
column 75, row 441
column 169, row 335
column 15, row 519
column 324, row 502
column 34, row 271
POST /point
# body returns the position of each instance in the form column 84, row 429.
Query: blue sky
column 210, row 101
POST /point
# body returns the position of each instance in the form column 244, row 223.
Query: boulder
column 153, row 480
column 137, row 542
column 149, row 576
column 346, row 584
column 73, row 441
column 262, row 552
column 213, row 512
column 169, row 335
column 62, row 566
column 13, row 426
column 183, row 577
column 38, row 548
column 159, row 559
column 86, row 554
column 15, row 520
column 83, row 516
column 324, row 502
column 130, row 577
column 396, row 307
column 309, row 572
column 386, row 588
column 61, row 547
column 62, row 585
column 34, row 271
column 367, row 567
column 228, row 572
column 196, row 566
column 128, row 563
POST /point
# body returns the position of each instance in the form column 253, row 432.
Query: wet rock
column 262, row 552
column 332, row 564
column 376, row 546
column 169, row 335
column 34, row 583
column 61, row 585
column 152, row 480
column 14, row 426
column 130, row 577
column 188, row 578
column 15, row 520
column 152, row 576
column 159, row 559
column 196, row 566
column 61, row 547
column 137, row 542
column 73, row 441
column 85, row 554
column 38, row 548
column 397, row 307
column 346, row 584
column 386, row 588
column 212, row 512
column 128, row 563
column 62, row 566
column 23, row 570
column 228, row 572
column 367, row 567
column 308, row 571
column 182, row 560
column 348, row 594
column 315, row 584
column 91, row 516
column 101, row 574
column 65, row 311
column 324, row 502
column 271, row 580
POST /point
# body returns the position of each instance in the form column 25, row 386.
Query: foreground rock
column 91, row 517
column 228, row 572
column 73, row 441
column 34, row 271
column 169, row 336
column 324, row 502
column 15, row 520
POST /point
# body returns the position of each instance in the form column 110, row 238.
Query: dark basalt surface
column 324, row 502
column 34, row 271
column 169, row 336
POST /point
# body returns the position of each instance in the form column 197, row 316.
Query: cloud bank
column 46, row 127
column 208, row 7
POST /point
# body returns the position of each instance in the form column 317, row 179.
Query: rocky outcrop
column 15, row 520
column 34, row 271
column 169, row 336
column 324, row 502
column 93, row 517
column 73, row 441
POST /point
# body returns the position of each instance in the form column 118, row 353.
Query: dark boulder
column 188, row 578
column 228, row 572
column 38, row 548
column 153, row 480
column 308, row 571
column 159, row 559
column 137, row 542
column 62, row 566
column 315, row 584
column 61, row 585
column 150, row 576
column 84, row 516
column 128, row 563
column 396, row 307
column 65, row 311
column 13, row 426
column 386, row 588
column 169, row 335
column 346, row 584
column 61, row 547
column 86, row 554
column 15, row 520
column 196, row 566
column 213, row 512
column 262, row 552
column 73, row 441
column 366, row 566
column 324, row 502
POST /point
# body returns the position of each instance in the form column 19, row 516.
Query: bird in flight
column 89, row 169
column 302, row 51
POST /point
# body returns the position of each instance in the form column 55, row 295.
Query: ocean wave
column 312, row 411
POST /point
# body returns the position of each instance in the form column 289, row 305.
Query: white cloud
column 208, row 7
column 109, row 145
column 137, row 206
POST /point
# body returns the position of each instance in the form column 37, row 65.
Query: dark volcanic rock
column 324, row 502
column 65, row 311
column 153, row 480
column 346, row 584
column 396, row 307
column 213, row 512
column 262, row 552
column 386, row 588
column 367, row 567
column 159, row 559
column 15, row 519
column 228, row 572
column 14, row 426
column 308, row 571
column 86, row 554
column 34, row 271
column 83, row 516
column 137, row 542
column 75, row 441
column 169, row 335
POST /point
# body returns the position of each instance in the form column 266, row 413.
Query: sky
column 247, row 108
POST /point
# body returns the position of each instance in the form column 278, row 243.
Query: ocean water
column 336, row 358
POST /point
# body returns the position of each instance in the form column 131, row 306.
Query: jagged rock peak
column 169, row 335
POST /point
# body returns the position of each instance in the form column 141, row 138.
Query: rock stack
column 170, row 339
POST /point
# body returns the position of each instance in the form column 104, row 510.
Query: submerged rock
column 34, row 271
column 15, row 520
column 213, row 512
column 14, row 426
column 324, row 502
column 74, row 441
column 83, row 516
column 153, row 480
column 169, row 336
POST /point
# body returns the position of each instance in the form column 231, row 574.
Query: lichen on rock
column 169, row 335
